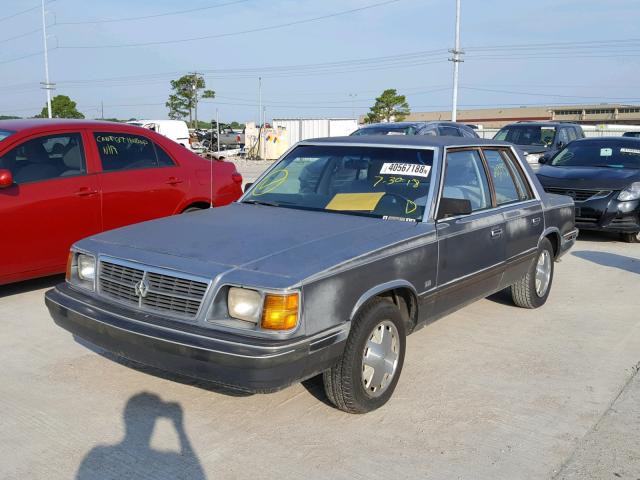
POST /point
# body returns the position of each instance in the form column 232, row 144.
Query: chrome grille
column 151, row 290
column 578, row 195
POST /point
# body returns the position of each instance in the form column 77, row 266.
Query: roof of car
column 410, row 140
column 28, row 123
column 629, row 140
column 543, row 124
column 410, row 124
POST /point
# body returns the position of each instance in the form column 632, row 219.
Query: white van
column 176, row 130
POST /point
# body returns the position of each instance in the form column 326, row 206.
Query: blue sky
column 518, row 53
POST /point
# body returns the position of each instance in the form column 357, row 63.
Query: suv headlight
column 632, row 192
column 268, row 312
column 81, row 270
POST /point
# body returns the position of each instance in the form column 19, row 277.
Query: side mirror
column 452, row 207
column 543, row 159
column 6, row 178
column 247, row 186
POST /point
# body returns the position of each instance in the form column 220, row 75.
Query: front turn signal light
column 69, row 266
column 280, row 312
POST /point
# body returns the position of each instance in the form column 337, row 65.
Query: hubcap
column 380, row 358
column 543, row 273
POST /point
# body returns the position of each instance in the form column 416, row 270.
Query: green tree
column 185, row 95
column 61, row 107
column 389, row 106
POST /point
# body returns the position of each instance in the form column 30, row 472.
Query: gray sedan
column 324, row 266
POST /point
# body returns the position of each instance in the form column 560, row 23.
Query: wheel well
column 554, row 238
column 406, row 302
column 202, row 205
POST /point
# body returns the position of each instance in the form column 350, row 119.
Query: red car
column 62, row 180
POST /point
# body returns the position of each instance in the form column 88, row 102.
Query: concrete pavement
column 490, row 392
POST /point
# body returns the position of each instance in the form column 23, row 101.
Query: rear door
column 139, row 180
column 471, row 248
column 53, row 203
column 522, row 211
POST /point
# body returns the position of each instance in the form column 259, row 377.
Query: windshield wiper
column 262, row 202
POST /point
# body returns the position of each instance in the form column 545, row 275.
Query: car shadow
column 503, row 297
column 315, row 387
column 30, row 285
column 134, row 457
column 607, row 259
column 602, row 237
column 156, row 372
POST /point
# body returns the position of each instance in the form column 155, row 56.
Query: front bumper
column 252, row 365
column 608, row 214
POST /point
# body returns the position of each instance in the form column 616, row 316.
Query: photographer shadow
column 134, row 457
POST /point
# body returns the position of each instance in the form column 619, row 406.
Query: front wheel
column 631, row 237
column 368, row 370
column 532, row 290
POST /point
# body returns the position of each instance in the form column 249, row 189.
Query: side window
column 46, row 158
column 468, row 133
column 503, row 183
column 449, row 131
column 524, row 189
column 465, row 179
column 571, row 134
column 562, row 136
column 164, row 160
column 123, row 151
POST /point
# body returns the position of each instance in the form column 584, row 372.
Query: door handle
column 496, row 232
column 85, row 192
column 535, row 220
column 174, row 181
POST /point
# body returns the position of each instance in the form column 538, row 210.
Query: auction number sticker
column 411, row 169
column 634, row 151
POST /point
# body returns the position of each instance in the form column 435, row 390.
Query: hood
column 601, row 178
column 265, row 241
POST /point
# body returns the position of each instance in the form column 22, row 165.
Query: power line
column 241, row 32
column 37, row 30
column 157, row 15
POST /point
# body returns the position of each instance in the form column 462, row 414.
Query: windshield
column 390, row 130
column 5, row 133
column 527, row 135
column 390, row 183
column 610, row 154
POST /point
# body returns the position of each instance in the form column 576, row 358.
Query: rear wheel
column 368, row 370
column 532, row 290
column 631, row 237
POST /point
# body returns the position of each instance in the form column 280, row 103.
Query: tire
column 525, row 292
column 345, row 382
column 631, row 237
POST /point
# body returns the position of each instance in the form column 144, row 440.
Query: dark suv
column 537, row 139
column 435, row 129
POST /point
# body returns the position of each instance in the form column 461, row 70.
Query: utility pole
column 259, row 102
column 218, row 129
column 46, row 85
column 456, row 59
column 101, row 109
column 195, row 96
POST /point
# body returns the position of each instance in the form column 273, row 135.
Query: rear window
column 5, row 133
column 527, row 135
column 386, row 131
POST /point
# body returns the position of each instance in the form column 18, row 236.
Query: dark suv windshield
column 603, row 153
column 527, row 135
column 371, row 181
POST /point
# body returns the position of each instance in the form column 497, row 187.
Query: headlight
column 81, row 270
column 273, row 312
column 632, row 192
column 244, row 304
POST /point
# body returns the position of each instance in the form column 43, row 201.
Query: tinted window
column 467, row 132
column 465, row 179
column 503, row 182
column 45, row 158
column 527, row 134
column 449, row 131
column 572, row 134
column 563, row 136
column 122, row 151
column 607, row 153
column 386, row 130
column 164, row 160
column 4, row 134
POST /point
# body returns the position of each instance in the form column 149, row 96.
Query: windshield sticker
column 606, row 152
column 410, row 169
column 271, row 182
column 357, row 202
column 634, row 151
column 395, row 133
column 410, row 182
column 399, row 219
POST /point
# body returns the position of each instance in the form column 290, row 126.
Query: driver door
column 471, row 248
